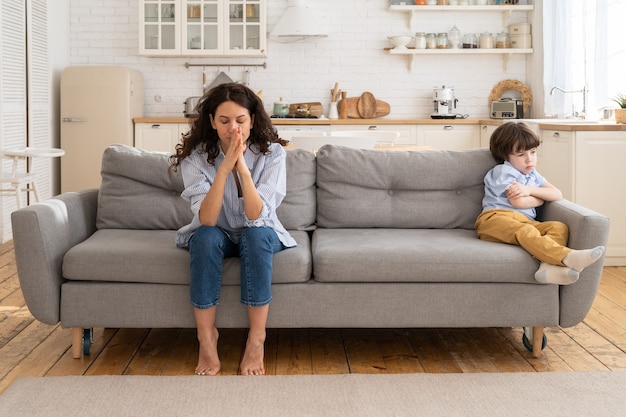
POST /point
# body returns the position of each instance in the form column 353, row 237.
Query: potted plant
column 620, row 114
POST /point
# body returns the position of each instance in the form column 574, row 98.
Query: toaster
column 507, row 108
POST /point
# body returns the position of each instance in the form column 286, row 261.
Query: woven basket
column 620, row 116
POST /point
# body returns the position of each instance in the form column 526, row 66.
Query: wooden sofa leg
column 77, row 342
column 537, row 341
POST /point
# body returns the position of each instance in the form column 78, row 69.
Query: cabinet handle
column 556, row 135
column 448, row 127
column 372, row 128
column 156, row 126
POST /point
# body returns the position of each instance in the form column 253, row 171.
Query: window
column 583, row 47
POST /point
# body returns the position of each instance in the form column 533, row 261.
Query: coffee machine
column 444, row 103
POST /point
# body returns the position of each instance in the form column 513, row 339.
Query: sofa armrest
column 587, row 229
column 42, row 234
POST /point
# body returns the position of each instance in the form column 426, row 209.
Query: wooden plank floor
column 30, row 348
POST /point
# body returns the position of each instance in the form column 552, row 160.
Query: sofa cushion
column 122, row 255
column 391, row 189
column 417, row 255
column 297, row 211
column 138, row 191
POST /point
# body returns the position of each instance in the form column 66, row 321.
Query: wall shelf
column 506, row 11
column 414, row 53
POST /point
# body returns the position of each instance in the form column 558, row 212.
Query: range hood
column 297, row 23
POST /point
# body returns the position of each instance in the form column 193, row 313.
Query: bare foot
column 252, row 362
column 208, row 359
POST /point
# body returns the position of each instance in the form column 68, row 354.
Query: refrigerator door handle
column 73, row 120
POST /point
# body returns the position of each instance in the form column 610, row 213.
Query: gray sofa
column 385, row 239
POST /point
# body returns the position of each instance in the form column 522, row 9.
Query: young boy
column 513, row 189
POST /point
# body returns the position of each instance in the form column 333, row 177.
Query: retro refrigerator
column 98, row 104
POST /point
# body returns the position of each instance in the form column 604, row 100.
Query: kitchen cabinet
column 448, row 137
column 407, row 132
column 202, row 28
column 556, row 158
column 415, row 11
column 586, row 166
column 485, row 134
column 160, row 137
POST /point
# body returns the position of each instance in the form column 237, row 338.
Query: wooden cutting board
column 311, row 108
column 382, row 108
column 366, row 106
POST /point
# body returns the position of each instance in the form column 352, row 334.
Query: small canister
column 431, row 41
column 503, row 40
column 486, row 40
column 442, row 40
column 469, row 41
column 420, row 40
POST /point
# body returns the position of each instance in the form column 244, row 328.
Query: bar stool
column 15, row 182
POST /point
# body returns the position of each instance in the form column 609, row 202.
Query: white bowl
column 400, row 42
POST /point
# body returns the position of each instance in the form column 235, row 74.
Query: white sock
column 580, row 259
column 554, row 274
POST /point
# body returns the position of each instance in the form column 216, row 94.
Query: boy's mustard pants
column 545, row 241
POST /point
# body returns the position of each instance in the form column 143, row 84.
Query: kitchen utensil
column 334, row 95
column 305, row 109
column 366, row 106
column 400, row 42
column 343, row 106
column 281, row 109
column 352, row 112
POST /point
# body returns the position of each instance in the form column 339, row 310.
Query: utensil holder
column 333, row 112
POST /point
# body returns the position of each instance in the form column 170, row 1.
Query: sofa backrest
column 394, row 189
column 138, row 191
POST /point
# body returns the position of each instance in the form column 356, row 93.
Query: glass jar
column 431, row 41
column 503, row 40
column 454, row 37
column 420, row 40
column 469, row 41
column 442, row 40
column 486, row 40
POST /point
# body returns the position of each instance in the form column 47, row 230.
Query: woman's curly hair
column 202, row 132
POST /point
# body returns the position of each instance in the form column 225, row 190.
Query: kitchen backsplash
column 106, row 33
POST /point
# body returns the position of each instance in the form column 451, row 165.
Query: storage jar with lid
column 442, row 40
column 469, row 41
column 420, row 40
column 486, row 40
column 454, row 37
column 503, row 40
column 431, row 41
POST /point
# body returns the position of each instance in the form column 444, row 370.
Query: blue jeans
column 209, row 246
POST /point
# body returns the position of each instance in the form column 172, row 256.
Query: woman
column 233, row 167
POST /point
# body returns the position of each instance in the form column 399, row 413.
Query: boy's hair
column 510, row 138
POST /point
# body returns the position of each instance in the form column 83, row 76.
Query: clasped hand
column 236, row 148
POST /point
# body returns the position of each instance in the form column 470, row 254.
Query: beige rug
column 593, row 394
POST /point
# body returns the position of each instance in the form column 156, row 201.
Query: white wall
column 106, row 33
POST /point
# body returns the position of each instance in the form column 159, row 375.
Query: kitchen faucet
column 584, row 92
